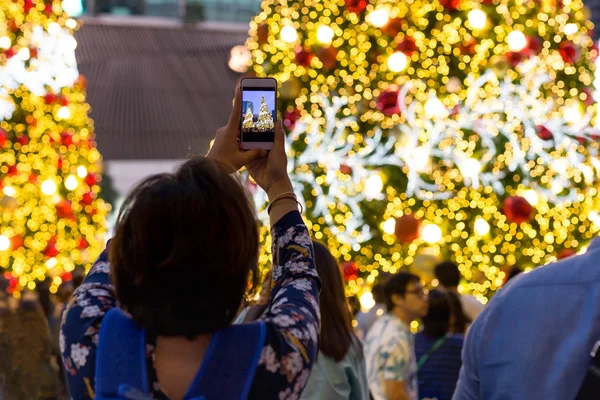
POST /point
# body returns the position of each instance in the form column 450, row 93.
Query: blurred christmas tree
column 451, row 129
column 248, row 121
column 265, row 118
column 52, row 218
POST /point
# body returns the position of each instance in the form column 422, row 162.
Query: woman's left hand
column 226, row 147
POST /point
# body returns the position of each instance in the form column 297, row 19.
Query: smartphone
column 259, row 113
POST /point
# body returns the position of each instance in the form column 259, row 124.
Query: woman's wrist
column 279, row 187
column 281, row 208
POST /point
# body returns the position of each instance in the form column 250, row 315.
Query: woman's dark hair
column 458, row 319
column 437, row 321
column 397, row 284
column 184, row 250
column 336, row 323
column 447, row 274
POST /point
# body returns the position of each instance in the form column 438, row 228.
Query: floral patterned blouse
column 292, row 321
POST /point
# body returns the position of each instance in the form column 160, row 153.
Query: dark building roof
column 156, row 92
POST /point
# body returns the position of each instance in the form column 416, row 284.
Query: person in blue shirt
column 533, row 340
column 438, row 351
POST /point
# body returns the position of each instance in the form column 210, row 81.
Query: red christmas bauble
column 59, row 164
column 328, row 56
column 48, row 9
column 407, row 46
column 263, row 33
column 393, row 27
column 566, row 253
column 33, row 52
column 387, row 102
column 81, row 81
column 487, row 2
column 468, row 46
column 23, row 139
column 9, row 53
column 16, row 242
column 66, row 139
column 28, row 5
column 514, row 58
column 91, row 179
column 350, row 271
column 33, row 178
column 83, row 244
column 450, row 5
column 569, row 52
column 12, row 26
column 589, row 97
column 517, row 209
column 303, row 56
column 64, row 209
column 87, row 198
column 12, row 170
column 534, row 46
column 63, row 101
column 50, row 98
column 544, row 133
column 3, row 137
column 290, row 118
column 66, row 277
column 345, row 169
column 408, row 228
column 356, row 6
column 51, row 250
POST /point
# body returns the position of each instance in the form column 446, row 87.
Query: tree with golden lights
column 440, row 129
column 52, row 217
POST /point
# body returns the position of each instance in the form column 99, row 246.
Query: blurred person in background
column 458, row 320
column 512, row 273
column 438, row 351
column 448, row 275
column 340, row 371
column 389, row 346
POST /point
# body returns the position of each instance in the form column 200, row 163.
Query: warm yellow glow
column 373, row 186
column 477, row 19
column 9, row 191
column 71, row 182
column 5, row 42
column 594, row 216
column 516, row 41
column 48, row 187
column 572, row 114
column 431, row 233
column 531, row 196
column 570, row 29
column 63, row 113
column 71, row 23
column 4, row 243
column 470, row 168
column 389, row 226
column 366, row 301
column 289, row 34
column 420, row 158
column 24, row 54
column 378, row 18
column 435, row 108
column 51, row 263
column 81, row 171
column 481, row 227
column 397, row 61
column 325, row 34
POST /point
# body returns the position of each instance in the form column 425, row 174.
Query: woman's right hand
column 270, row 171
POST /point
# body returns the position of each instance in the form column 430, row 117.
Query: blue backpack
column 227, row 370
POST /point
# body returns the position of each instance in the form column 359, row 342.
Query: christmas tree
column 248, row 123
column 442, row 129
column 52, row 218
column 265, row 118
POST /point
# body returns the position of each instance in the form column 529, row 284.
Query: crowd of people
column 163, row 313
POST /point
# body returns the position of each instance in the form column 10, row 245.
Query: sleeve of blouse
column 292, row 318
column 80, row 326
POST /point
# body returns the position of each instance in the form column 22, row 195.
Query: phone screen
column 258, row 114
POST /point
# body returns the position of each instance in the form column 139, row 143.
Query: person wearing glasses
column 389, row 345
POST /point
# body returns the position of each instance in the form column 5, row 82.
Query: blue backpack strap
column 121, row 359
column 228, row 368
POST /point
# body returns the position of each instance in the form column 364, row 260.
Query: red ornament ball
column 517, row 209
column 3, row 137
column 566, row 253
column 263, row 33
column 393, row 27
column 303, row 56
column 63, row 101
column 87, row 198
column 514, row 58
column 48, row 9
column 9, row 53
column 66, row 139
column 450, row 5
column 22, row 139
column 16, row 242
column 28, row 5
column 51, row 250
column 387, row 102
column 64, row 209
column 544, row 133
column 534, row 46
column 50, row 98
column 345, row 169
column 59, row 164
column 91, row 179
column 81, row 82
column 33, row 52
column 356, row 6
column 408, row 228
column 290, row 118
column 350, row 271
column 83, row 244
column 328, row 56
column 12, row 170
column 407, row 45
column 569, row 52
